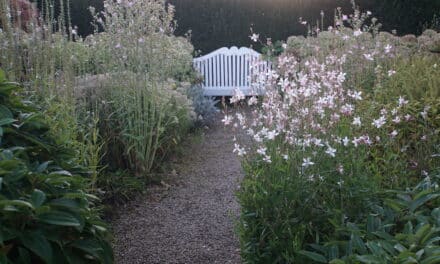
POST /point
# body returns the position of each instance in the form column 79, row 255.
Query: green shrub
column 403, row 228
column 46, row 214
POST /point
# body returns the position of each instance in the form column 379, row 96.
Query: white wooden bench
column 226, row 70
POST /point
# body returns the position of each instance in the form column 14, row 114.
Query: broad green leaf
column 19, row 203
column 23, row 255
column 43, row 166
column 369, row 259
column 422, row 233
column 431, row 260
column 59, row 218
column 61, row 172
column 6, row 121
column 89, row 246
column 314, row 256
column 38, row 197
column 38, row 244
column 358, row 244
column 5, row 114
column 337, row 261
column 422, row 200
column 400, row 247
column 66, row 203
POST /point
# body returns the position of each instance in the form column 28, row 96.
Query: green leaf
column 23, row 255
column 61, row 172
column 369, row 259
column 422, row 200
column 431, row 260
column 313, row 256
column 337, row 261
column 89, row 246
column 43, row 166
column 358, row 244
column 19, row 203
column 38, row 197
column 38, row 244
column 6, row 121
column 1, row 183
column 5, row 113
column 59, row 218
column 2, row 76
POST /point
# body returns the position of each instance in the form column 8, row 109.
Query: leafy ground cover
column 350, row 118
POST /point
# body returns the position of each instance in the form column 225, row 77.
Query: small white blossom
column 369, row 57
column 255, row 37
column 262, row 151
column 378, row 123
column 227, row 120
column 307, row 162
column 391, row 73
column 357, row 121
column 331, row 151
column 402, row 101
column 346, row 141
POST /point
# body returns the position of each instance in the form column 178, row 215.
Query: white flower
column 357, row 33
column 271, row 135
column 397, row 120
column 285, row 157
column 369, row 13
column 307, row 162
column 255, row 37
column 391, row 73
column 331, row 151
column 227, row 120
column 394, row 133
column 356, row 95
column 346, row 141
column 357, row 121
column 267, row 159
column 240, row 151
column 369, row 57
column 378, row 123
column 237, row 97
column 344, row 17
column 402, row 101
column 388, row 48
column 252, row 101
column 262, row 151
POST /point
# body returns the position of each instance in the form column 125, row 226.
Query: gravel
column 191, row 217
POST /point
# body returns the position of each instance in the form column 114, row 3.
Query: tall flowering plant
column 323, row 144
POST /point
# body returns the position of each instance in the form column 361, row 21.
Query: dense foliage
column 46, row 214
column 349, row 113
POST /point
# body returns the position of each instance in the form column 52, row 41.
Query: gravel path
column 191, row 219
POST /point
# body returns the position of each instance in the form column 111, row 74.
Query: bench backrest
column 225, row 70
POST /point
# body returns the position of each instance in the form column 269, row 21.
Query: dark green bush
column 46, row 215
column 401, row 229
